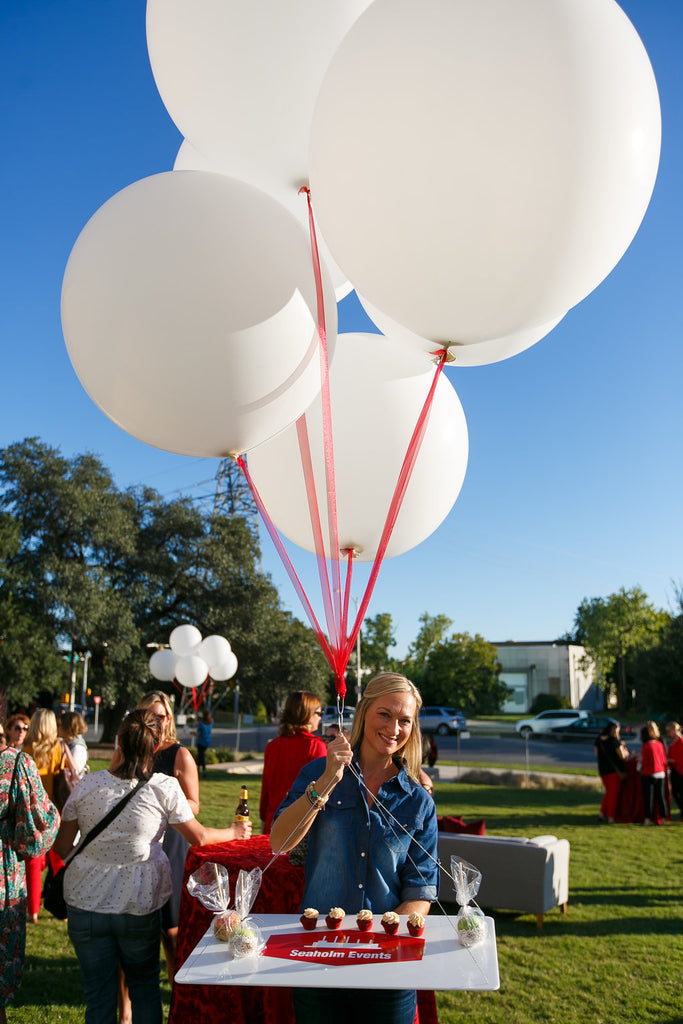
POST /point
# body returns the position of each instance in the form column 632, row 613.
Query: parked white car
column 547, row 721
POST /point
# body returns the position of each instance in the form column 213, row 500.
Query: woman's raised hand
column 339, row 755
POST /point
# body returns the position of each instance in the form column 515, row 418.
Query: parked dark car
column 88, row 713
column 589, row 728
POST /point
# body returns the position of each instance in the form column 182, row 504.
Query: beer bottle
column 242, row 811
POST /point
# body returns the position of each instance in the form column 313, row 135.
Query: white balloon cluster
column 191, row 660
column 477, row 168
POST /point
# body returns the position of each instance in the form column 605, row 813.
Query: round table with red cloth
column 630, row 806
column 281, row 891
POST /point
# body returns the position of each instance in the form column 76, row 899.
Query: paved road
column 542, row 753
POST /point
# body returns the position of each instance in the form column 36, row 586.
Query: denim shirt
column 358, row 856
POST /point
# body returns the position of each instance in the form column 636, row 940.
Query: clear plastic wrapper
column 470, row 922
column 210, row 884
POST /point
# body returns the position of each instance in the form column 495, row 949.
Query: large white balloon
column 185, row 639
column 479, row 166
column 162, row 665
column 191, row 670
column 240, row 79
column 189, row 311
column 226, row 670
column 214, row 649
column 190, row 159
column 478, row 353
column 375, row 407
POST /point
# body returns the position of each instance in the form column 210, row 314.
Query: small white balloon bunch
column 190, row 659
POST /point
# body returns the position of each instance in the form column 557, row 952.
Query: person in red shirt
column 653, row 767
column 674, row 759
column 293, row 747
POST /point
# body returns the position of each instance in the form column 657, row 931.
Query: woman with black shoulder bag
column 115, row 887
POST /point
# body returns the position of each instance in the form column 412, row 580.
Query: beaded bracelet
column 314, row 799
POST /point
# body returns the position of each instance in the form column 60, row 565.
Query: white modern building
column 559, row 668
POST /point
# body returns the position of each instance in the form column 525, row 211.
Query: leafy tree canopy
column 462, row 672
column 613, row 627
column 85, row 564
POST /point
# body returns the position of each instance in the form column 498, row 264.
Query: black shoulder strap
column 107, row 819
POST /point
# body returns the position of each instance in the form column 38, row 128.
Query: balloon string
column 285, row 559
column 328, row 447
column 314, row 516
column 397, row 500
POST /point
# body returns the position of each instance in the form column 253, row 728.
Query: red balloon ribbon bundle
column 337, row 649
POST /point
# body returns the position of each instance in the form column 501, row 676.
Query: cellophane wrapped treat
column 210, row 884
column 470, row 923
column 246, row 938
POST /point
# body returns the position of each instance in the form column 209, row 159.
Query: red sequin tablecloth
column 630, row 806
column 280, row 893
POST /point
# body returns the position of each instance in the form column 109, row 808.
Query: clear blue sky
column 574, row 486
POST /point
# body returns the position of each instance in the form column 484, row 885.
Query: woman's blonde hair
column 380, row 686
column 42, row 736
column 675, row 727
column 158, row 697
column 653, row 730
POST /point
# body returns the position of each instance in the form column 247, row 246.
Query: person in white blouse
column 72, row 729
column 116, row 886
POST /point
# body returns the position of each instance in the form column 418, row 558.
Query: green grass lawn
column 615, row 958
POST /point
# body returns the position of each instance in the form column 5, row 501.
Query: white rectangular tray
column 445, row 963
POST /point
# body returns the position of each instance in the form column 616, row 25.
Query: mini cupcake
column 364, row 920
column 335, row 917
column 416, row 925
column 390, row 922
column 309, row 919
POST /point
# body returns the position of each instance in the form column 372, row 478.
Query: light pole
column 84, row 688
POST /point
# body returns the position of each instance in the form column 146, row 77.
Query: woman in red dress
column 292, row 748
column 674, row 757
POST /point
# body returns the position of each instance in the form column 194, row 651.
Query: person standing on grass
column 293, row 747
column 674, row 759
column 373, row 837
column 116, row 887
column 653, row 778
column 28, row 826
column 170, row 758
column 612, row 753
column 203, row 735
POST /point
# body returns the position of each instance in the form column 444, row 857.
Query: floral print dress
column 28, row 827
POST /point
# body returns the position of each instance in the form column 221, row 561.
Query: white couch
column 527, row 875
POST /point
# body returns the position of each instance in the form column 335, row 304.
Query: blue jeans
column 339, row 1006
column 101, row 941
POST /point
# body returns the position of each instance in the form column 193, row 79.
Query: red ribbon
column 338, row 648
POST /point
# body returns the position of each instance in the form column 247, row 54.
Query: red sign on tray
column 344, row 947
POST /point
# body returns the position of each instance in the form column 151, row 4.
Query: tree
column 84, row 564
column 377, row 637
column 463, row 672
column 615, row 627
column 658, row 668
column 432, row 632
